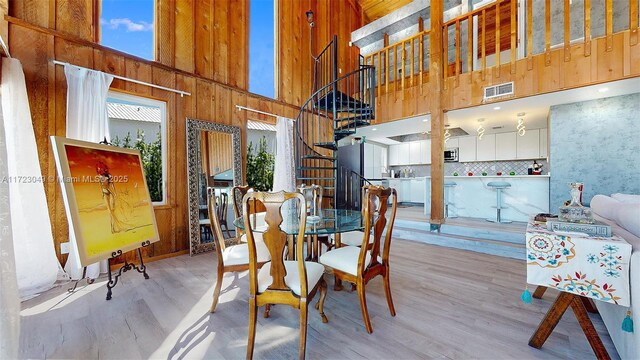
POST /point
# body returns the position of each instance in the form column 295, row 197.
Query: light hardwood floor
column 450, row 303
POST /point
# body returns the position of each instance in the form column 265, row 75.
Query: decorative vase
column 575, row 212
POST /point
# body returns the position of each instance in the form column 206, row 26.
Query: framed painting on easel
column 106, row 199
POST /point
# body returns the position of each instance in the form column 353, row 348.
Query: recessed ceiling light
column 521, row 114
column 496, row 108
column 425, row 120
column 604, row 89
column 374, row 129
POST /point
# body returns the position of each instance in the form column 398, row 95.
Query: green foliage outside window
column 151, row 154
column 260, row 165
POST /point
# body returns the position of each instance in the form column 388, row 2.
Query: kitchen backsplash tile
column 477, row 168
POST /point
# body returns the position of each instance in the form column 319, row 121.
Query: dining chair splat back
column 223, row 205
column 358, row 265
column 293, row 283
column 237, row 194
column 233, row 258
column 313, row 196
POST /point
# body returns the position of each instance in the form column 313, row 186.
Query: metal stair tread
column 327, row 145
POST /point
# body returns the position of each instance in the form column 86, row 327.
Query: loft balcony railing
column 504, row 32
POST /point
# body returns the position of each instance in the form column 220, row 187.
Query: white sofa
column 622, row 212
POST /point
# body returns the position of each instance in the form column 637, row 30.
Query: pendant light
column 521, row 128
column 480, row 129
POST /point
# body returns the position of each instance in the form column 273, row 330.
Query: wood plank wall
column 339, row 17
column 202, row 48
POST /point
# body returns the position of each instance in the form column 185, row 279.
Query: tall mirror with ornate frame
column 214, row 160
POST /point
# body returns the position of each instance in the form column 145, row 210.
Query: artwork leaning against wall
column 139, row 123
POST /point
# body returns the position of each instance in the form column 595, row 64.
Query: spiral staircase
column 337, row 107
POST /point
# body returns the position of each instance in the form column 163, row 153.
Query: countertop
column 474, row 177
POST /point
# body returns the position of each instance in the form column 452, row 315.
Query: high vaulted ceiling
column 375, row 9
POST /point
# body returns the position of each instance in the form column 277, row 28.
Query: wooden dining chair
column 313, row 197
column 354, row 238
column 279, row 281
column 234, row 258
column 223, row 206
column 358, row 265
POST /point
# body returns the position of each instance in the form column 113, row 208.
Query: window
column 128, row 26
column 140, row 123
column 261, row 49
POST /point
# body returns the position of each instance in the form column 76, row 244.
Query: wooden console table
column 583, row 269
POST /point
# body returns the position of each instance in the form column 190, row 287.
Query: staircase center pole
column 437, row 60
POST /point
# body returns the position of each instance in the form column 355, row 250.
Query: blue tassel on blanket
column 526, row 296
column 627, row 323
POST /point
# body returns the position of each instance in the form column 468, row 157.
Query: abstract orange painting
column 106, row 198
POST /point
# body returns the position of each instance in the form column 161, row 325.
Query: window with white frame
column 140, row 123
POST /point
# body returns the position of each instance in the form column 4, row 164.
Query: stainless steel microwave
column 451, row 155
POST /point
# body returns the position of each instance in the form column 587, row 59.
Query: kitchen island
column 471, row 197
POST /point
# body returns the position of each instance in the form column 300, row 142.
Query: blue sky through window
column 261, row 47
column 128, row 26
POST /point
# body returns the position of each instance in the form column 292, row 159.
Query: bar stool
column 499, row 186
column 448, row 187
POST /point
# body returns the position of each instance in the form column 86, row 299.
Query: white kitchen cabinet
column 425, row 152
column 417, row 190
column 403, row 155
column 393, row 183
column 506, row 146
column 486, row 148
column 377, row 161
column 394, row 155
column 452, row 143
column 406, row 190
column 528, row 146
column 467, row 148
column 368, row 154
column 543, row 143
column 414, row 152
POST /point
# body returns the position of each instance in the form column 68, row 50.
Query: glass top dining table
column 332, row 221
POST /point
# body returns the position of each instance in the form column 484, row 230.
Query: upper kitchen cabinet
column 528, row 145
column 425, row 152
column 543, row 143
column 452, row 143
column 414, row 153
column 487, row 148
column 506, row 146
column 466, row 148
column 394, row 155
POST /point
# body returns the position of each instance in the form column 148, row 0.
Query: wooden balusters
column 470, row 49
column 608, row 11
column 530, row 34
column 567, row 30
column 587, row 27
column 547, row 32
column 484, row 46
column 496, row 67
column 633, row 22
column 457, row 45
column 514, row 33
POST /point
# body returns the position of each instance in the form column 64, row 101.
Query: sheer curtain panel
column 9, row 299
column 37, row 267
column 284, row 172
column 87, row 120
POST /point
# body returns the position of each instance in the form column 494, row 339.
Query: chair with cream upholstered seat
column 358, row 265
column 354, row 238
column 293, row 283
column 234, row 258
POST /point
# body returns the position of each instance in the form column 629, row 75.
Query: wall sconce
column 310, row 18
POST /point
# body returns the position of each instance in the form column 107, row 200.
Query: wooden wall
column 216, row 150
column 339, row 17
column 202, row 48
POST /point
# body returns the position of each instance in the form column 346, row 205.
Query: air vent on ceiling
column 492, row 92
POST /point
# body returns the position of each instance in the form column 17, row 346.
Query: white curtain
column 87, row 120
column 37, row 267
column 284, row 172
column 9, row 298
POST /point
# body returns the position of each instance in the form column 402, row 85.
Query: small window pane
column 140, row 125
column 128, row 26
column 261, row 49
